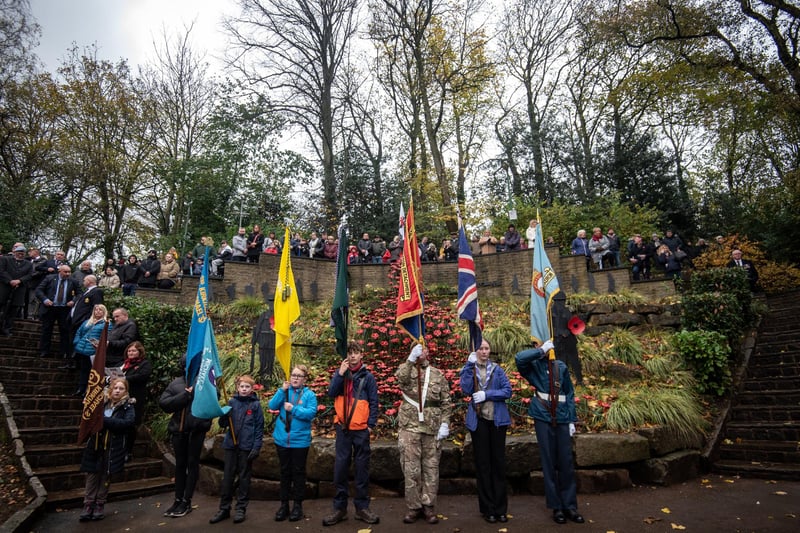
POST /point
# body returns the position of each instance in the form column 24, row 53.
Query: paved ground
column 712, row 503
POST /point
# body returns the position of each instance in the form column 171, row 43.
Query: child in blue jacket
column 297, row 406
column 242, row 444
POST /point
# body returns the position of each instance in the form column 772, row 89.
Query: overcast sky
column 126, row 28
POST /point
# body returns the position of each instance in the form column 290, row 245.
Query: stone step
column 760, row 369
column 778, row 341
column 51, row 455
column 770, row 397
column 781, row 471
column 760, row 451
column 772, row 431
column 26, row 419
column 119, row 490
column 69, row 477
column 62, row 387
column 29, row 360
column 776, row 383
column 18, row 379
column 45, row 402
column 49, row 435
column 766, row 413
column 774, row 358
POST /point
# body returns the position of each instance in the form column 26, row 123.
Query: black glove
column 253, row 454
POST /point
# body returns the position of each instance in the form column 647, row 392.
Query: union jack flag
column 467, row 305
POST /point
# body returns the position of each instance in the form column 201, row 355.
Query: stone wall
column 505, row 275
column 604, row 462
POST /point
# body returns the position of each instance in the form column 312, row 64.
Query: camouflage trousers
column 419, row 458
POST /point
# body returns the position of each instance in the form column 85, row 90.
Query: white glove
column 479, row 397
column 444, row 431
column 416, row 351
column 546, row 346
column 473, row 358
column 571, row 429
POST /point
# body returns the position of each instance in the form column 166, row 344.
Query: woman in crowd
column 85, row 344
column 104, row 454
column 109, row 279
column 188, row 434
column 672, row 267
column 487, row 421
column 297, row 406
column 137, row 370
column 168, row 275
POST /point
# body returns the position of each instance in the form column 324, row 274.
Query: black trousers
column 293, row 472
column 351, row 445
column 236, row 465
column 187, row 447
column 50, row 317
column 555, row 448
column 489, row 445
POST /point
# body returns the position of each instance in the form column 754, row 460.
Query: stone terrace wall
column 505, row 275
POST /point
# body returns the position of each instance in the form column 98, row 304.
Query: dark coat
column 49, row 286
column 107, row 449
column 118, row 339
column 84, row 305
column 245, row 423
column 153, row 266
column 130, row 273
column 137, row 377
column 178, row 401
column 11, row 269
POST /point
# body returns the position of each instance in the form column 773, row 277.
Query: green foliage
column 508, row 338
column 624, row 346
column 676, row 409
column 720, row 312
column 708, row 354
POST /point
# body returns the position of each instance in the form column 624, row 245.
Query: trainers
column 238, row 518
column 367, row 516
column 183, row 508
column 335, row 517
column 86, row 514
column 99, row 511
column 172, row 508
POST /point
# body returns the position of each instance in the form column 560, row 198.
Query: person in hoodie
column 104, row 453
column 188, row 434
column 242, row 444
column 151, row 267
column 297, row 406
column 487, row 421
column 355, row 394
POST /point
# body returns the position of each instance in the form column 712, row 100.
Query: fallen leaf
column 503, row 530
column 677, row 526
column 790, row 515
column 665, row 510
column 771, row 482
column 651, row 520
column 364, row 531
column 729, row 481
column 703, row 481
column 780, row 493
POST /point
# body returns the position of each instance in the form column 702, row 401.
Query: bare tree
column 294, row 49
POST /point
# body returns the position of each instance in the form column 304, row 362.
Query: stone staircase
column 47, row 417
column 762, row 436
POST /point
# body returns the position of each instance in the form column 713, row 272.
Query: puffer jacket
column 83, row 337
column 297, row 432
column 178, row 401
column 245, row 423
column 107, row 448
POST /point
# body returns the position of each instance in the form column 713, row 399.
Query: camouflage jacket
column 438, row 405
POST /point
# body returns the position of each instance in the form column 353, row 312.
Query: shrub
column 719, row 312
column 707, row 353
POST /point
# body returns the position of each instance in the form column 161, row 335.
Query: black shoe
column 171, row 509
column 573, row 515
column 183, row 508
column 490, row 518
column 128, row 457
column 297, row 512
column 558, row 517
column 88, row 511
column 222, row 514
column 335, row 517
column 238, row 518
column 502, row 518
column 283, row 512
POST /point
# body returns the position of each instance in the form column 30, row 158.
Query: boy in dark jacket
column 355, row 394
column 188, row 434
column 242, row 444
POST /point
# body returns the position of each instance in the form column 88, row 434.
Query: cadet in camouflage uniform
column 421, row 432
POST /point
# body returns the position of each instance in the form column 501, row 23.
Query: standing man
column 32, row 304
column 746, row 265
column 553, row 413
column 150, row 270
column 239, row 245
column 120, row 336
column 82, row 310
column 57, row 294
column 512, row 238
column 424, row 421
column 15, row 274
column 355, row 395
column 84, row 270
column 255, row 243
